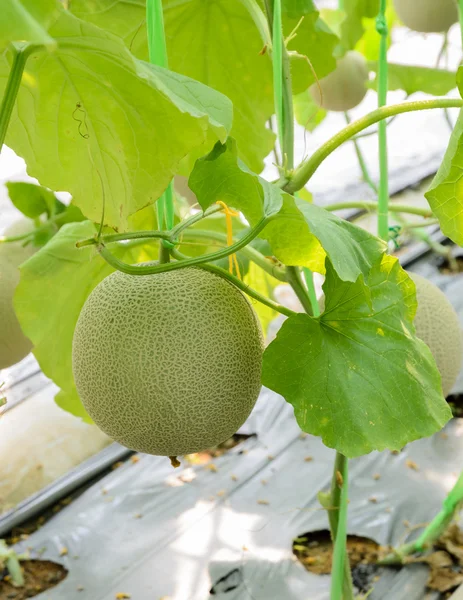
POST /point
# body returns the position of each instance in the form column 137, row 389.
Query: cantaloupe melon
column 14, row 345
column 18, row 252
column 427, row 16
column 345, row 87
column 170, row 363
column 437, row 324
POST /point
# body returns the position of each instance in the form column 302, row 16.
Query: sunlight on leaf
column 89, row 108
column 445, row 196
column 411, row 79
column 27, row 21
column 301, row 234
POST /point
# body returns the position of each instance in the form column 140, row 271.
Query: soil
column 445, row 562
column 445, row 267
column 455, row 402
column 40, row 576
column 315, row 551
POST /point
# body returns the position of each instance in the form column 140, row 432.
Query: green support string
column 158, row 56
column 383, row 192
column 308, row 275
column 278, row 69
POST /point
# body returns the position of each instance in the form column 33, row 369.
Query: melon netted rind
column 14, row 345
column 427, row 16
column 345, row 87
column 168, row 364
column 437, row 324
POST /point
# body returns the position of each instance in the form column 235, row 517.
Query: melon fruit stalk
column 14, row 345
column 427, row 16
column 168, row 364
column 437, row 324
column 345, row 87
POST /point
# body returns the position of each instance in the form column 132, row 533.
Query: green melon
column 427, row 16
column 345, row 87
column 18, row 252
column 14, row 345
column 168, row 364
column 437, row 324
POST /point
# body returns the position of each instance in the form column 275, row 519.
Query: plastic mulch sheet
column 152, row 532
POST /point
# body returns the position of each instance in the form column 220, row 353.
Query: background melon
column 168, row 364
column 345, row 87
column 18, row 252
column 427, row 16
column 437, row 324
column 14, row 345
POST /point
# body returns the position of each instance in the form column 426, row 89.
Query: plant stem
column 190, row 262
column 267, row 265
column 20, row 55
column 122, row 237
column 177, row 230
column 361, row 160
column 335, row 504
column 435, row 528
column 157, row 51
column 11, row 560
column 460, row 9
column 164, row 253
column 171, row 236
column 369, row 205
column 308, row 275
column 383, row 193
column 307, row 168
column 294, row 279
column 282, row 87
column 277, row 62
column 421, row 224
column 341, row 586
column 239, row 284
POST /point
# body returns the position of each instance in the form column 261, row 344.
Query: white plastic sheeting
column 157, row 533
column 152, row 532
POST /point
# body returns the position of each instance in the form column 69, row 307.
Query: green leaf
column 32, row 200
column 211, row 40
column 257, row 279
column 307, row 113
column 334, row 18
column 299, row 233
column 216, row 43
column 70, row 214
column 358, row 376
column 352, row 29
column 54, row 285
column 411, row 79
column 70, row 402
column 445, row 194
column 27, row 21
column 85, row 114
column 297, row 8
column 352, row 250
column 315, row 43
column 220, row 176
column 368, row 44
